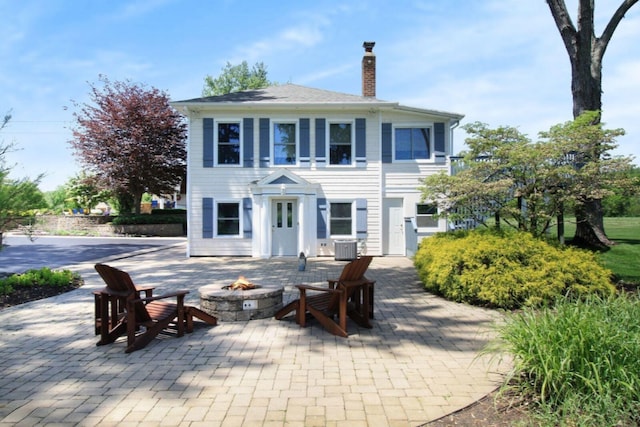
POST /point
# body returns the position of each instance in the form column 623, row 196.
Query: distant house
column 289, row 169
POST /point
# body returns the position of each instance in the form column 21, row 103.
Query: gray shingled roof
column 291, row 94
column 285, row 94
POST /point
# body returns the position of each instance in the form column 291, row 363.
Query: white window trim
column 428, row 125
column 215, row 143
column 353, row 219
column 352, row 122
column 216, row 218
column 272, row 142
column 427, row 215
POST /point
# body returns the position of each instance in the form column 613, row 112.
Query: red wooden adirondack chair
column 120, row 309
column 349, row 295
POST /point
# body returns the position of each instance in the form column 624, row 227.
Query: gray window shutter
column 247, row 206
column 322, row 219
column 387, row 153
column 321, row 148
column 247, row 142
column 207, row 218
column 361, row 218
column 438, row 142
column 438, row 138
column 264, row 143
column 207, row 141
column 361, row 142
column 305, row 142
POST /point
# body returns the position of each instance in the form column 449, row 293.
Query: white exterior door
column 394, row 243
column 284, row 227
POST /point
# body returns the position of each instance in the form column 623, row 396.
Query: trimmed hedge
column 507, row 269
column 149, row 219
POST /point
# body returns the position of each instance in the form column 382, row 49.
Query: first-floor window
column 412, row 143
column 425, row 215
column 228, row 219
column 341, row 220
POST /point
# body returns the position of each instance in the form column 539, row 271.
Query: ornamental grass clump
column 506, row 269
column 578, row 360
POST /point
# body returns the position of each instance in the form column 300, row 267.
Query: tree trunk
column 586, row 86
column 137, row 201
column 590, row 226
column 561, row 225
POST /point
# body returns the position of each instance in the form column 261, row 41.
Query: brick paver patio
column 419, row 362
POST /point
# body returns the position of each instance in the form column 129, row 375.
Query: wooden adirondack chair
column 349, row 295
column 120, row 309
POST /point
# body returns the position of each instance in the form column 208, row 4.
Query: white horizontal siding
column 371, row 182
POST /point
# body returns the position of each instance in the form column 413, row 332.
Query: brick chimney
column 369, row 70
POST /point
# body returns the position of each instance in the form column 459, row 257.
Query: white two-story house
column 290, row 169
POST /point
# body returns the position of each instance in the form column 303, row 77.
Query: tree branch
column 565, row 25
column 603, row 41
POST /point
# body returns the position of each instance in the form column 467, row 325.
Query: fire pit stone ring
column 231, row 305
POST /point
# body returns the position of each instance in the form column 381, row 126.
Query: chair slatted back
column 355, row 269
column 120, row 282
column 352, row 272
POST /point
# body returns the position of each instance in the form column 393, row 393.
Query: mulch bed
column 24, row 294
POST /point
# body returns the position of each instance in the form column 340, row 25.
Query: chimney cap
column 368, row 46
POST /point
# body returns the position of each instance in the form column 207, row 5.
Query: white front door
column 284, row 227
column 394, row 227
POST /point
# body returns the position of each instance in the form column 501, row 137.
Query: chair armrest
column 164, row 296
column 107, row 291
column 316, row 288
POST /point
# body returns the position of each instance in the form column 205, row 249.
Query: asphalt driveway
column 19, row 253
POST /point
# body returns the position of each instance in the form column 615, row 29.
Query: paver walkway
column 418, row 363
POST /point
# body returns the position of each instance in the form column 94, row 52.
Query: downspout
column 188, row 183
column 452, row 127
column 381, row 189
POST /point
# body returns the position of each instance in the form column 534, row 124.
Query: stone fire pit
column 231, row 304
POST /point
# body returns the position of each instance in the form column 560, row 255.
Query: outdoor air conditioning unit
column 346, row 250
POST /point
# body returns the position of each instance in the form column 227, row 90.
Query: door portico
column 284, row 207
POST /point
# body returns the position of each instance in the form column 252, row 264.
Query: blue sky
column 501, row 62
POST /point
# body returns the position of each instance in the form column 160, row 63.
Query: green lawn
column 624, row 258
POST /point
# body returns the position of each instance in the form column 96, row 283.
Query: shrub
column 149, row 219
column 507, row 269
column 42, row 277
column 177, row 212
column 579, row 359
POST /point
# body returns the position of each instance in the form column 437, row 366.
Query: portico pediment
column 282, row 181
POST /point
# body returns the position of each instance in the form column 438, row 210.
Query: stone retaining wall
column 101, row 226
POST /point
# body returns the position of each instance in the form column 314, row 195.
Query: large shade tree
column 131, row 140
column 586, row 51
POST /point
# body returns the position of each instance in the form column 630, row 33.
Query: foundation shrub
column 507, row 269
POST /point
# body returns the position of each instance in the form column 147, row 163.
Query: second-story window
column 284, row 144
column 412, row 143
column 228, row 143
column 340, row 144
